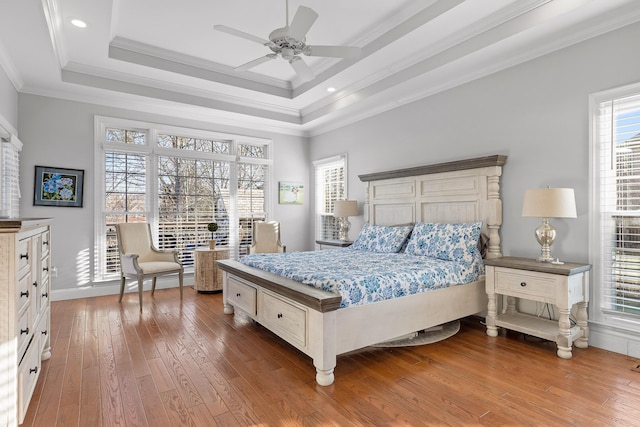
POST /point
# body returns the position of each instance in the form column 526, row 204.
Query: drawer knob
column 46, row 294
column 45, row 242
column 238, row 295
column 523, row 284
column 24, row 256
column 33, row 370
column 24, row 331
column 45, row 268
column 279, row 315
column 44, row 332
column 35, row 284
column 24, row 294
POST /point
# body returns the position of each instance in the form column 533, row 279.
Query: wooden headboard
column 453, row 192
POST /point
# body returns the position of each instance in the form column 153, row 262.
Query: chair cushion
column 156, row 267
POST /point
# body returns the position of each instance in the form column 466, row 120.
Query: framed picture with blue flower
column 58, row 187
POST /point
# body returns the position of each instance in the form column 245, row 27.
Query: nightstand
column 563, row 285
column 334, row 243
column 207, row 275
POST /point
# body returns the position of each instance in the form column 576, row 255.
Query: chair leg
column 180, row 280
column 153, row 285
column 121, row 288
column 140, row 283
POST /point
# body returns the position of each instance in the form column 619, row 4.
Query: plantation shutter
column 618, row 196
column 10, row 180
column 330, row 186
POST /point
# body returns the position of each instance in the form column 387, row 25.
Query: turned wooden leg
column 492, row 312
column 564, row 334
column 582, row 321
column 121, row 288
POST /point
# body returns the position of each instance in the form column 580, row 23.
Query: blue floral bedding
column 363, row 277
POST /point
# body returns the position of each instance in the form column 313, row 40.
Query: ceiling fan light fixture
column 288, row 53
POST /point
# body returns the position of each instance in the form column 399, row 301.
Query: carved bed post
column 495, row 213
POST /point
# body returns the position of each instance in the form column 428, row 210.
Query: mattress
column 364, row 277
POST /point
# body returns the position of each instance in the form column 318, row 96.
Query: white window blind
column 617, row 197
column 10, row 180
column 330, row 175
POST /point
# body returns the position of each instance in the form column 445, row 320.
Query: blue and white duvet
column 363, row 277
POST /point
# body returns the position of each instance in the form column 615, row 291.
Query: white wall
column 8, row 104
column 536, row 113
column 60, row 133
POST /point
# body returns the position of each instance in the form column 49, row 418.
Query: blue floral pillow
column 378, row 238
column 450, row 242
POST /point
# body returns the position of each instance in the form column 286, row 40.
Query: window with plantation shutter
column 10, row 179
column 616, row 201
column 330, row 175
column 178, row 180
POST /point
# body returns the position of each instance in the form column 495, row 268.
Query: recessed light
column 79, row 23
column 331, row 89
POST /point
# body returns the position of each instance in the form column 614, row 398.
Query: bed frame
column 309, row 318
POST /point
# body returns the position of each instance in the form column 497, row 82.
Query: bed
column 312, row 319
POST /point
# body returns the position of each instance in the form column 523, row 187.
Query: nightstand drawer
column 524, row 284
column 241, row 295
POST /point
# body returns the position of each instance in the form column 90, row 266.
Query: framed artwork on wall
column 58, row 187
column 291, row 193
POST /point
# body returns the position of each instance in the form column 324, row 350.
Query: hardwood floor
column 189, row 364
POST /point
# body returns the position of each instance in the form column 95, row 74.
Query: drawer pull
column 279, row 315
column 24, row 294
column 238, row 295
column 45, row 295
column 35, row 284
column 523, row 284
column 44, row 332
column 24, row 256
column 24, row 331
column 45, row 268
column 33, row 370
column 45, row 242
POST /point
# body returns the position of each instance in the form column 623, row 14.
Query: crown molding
column 54, row 19
column 10, row 69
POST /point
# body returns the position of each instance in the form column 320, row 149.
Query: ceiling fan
column 289, row 43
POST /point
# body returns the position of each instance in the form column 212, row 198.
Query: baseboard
column 113, row 288
column 614, row 339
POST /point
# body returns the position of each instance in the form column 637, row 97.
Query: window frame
column 152, row 151
column 319, row 193
column 599, row 312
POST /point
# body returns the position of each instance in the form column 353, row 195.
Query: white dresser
column 25, row 262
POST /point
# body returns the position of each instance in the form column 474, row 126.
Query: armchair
column 266, row 238
column 139, row 258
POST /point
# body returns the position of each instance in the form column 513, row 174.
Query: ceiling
column 164, row 56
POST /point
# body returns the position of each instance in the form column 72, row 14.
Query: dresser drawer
column 24, row 331
column 28, row 372
column 524, row 284
column 42, row 330
column 44, row 242
column 24, row 255
column 23, row 296
column 285, row 319
column 241, row 295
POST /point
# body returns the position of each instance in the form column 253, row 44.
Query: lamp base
column 343, row 229
column 545, row 235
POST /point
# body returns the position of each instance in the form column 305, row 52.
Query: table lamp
column 343, row 209
column 548, row 203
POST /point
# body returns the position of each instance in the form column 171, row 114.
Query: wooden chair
column 266, row 238
column 139, row 258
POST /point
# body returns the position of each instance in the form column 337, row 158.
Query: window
column 330, row 186
column 10, row 180
column 178, row 180
column 616, row 203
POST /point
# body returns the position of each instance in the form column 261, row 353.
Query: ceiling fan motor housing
column 285, row 45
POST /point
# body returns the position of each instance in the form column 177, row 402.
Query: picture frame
column 58, row 187
column 291, row 193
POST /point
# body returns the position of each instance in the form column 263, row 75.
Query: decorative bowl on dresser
column 25, row 262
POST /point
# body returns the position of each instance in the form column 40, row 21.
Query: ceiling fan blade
column 242, row 34
column 302, row 21
column 254, row 63
column 302, row 69
column 348, row 52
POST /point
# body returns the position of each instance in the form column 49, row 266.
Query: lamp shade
column 344, row 208
column 549, row 203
